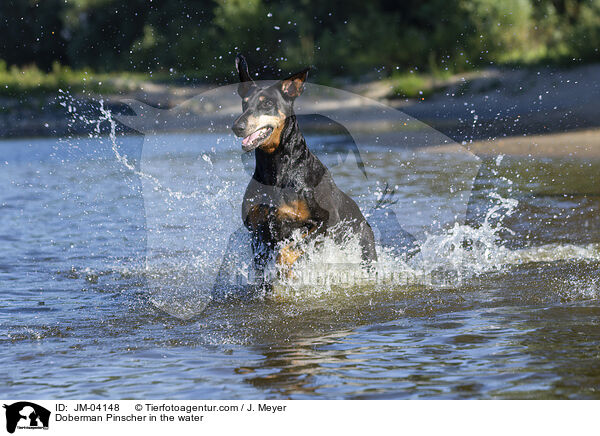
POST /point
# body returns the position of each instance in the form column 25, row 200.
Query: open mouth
column 253, row 140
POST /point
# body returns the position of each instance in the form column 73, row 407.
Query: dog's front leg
column 261, row 254
column 289, row 253
column 287, row 256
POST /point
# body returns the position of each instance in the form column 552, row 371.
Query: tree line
column 341, row 38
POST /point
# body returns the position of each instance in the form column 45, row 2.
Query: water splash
column 95, row 122
column 106, row 116
column 468, row 250
column 181, row 265
column 446, row 259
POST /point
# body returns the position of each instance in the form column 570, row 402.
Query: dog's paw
column 287, row 256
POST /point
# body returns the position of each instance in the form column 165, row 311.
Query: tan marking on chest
column 296, row 210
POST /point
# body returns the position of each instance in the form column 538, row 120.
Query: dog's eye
column 267, row 104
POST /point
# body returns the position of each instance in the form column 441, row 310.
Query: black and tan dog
column 291, row 190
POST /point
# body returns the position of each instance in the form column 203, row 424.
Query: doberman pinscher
column 291, row 190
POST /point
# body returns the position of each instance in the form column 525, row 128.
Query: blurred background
column 195, row 40
column 155, row 50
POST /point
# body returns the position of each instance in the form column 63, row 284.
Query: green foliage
column 31, row 80
column 504, row 28
column 417, row 85
column 584, row 41
column 30, row 32
column 16, row 81
column 198, row 39
column 410, row 85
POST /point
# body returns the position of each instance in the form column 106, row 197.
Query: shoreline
column 581, row 144
column 578, row 144
column 548, row 112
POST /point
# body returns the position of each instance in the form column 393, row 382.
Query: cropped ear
column 246, row 82
column 293, row 86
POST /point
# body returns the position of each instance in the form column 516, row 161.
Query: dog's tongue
column 251, row 137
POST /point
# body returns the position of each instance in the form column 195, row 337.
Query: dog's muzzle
column 255, row 139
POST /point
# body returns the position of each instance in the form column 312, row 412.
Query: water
column 106, row 282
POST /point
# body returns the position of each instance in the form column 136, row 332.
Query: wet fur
column 291, row 190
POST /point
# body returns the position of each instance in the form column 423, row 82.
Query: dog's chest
column 296, row 210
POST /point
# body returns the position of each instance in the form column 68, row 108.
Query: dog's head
column 265, row 109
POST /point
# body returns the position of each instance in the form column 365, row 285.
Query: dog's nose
column 239, row 127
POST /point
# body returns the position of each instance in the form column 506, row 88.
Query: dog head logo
column 26, row 415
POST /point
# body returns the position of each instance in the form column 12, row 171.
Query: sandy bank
column 578, row 144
